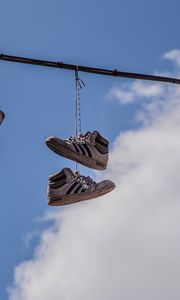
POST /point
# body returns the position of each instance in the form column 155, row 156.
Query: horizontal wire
column 87, row 69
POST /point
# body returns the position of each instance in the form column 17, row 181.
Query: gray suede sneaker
column 90, row 150
column 67, row 187
column 2, row 115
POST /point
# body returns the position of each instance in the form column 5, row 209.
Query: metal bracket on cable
column 60, row 64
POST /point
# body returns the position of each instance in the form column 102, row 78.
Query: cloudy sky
column 126, row 244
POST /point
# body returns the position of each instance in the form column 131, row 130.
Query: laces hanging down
column 79, row 84
column 89, row 149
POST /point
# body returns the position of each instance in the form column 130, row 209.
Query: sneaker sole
column 60, row 148
column 69, row 199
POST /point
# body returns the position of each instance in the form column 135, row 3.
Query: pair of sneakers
column 66, row 186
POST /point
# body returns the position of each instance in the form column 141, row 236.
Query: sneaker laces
column 86, row 181
column 79, row 139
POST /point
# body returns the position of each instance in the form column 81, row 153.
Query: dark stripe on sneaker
column 78, row 189
column 82, row 149
column 72, row 187
column 79, row 148
column 76, row 148
column 88, row 150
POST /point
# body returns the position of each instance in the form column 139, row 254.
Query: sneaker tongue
column 88, row 134
column 68, row 172
column 91, row 136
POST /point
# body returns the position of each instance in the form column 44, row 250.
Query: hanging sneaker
column 2, row 115
column 67, row 187
column 90, row 150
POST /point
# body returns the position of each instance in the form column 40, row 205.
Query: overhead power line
column 62, row 65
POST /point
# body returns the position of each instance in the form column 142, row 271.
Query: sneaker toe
column 52, row 140
column 105, row 184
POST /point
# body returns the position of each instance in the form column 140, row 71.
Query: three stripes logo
column 75, row 188
column 83, row 149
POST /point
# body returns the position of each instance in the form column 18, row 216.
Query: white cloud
column 125, row 245
column 173, row 56
column 141, row 90
column 138, row 90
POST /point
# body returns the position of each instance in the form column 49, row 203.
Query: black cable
column 86, row 69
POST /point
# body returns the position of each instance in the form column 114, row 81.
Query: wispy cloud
column 140, row 91
column 173, row 56
column 128, row 93
column 125, row 245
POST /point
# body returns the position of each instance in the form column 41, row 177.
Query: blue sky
column 38, row 102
